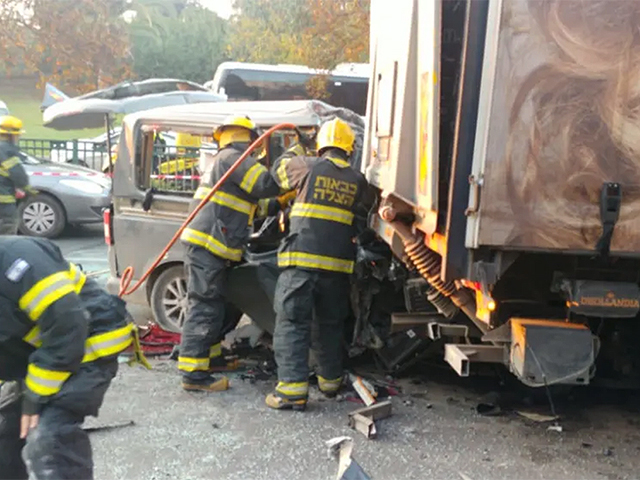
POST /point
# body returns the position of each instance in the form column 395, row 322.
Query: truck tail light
column 475, row 286
column 108, row 226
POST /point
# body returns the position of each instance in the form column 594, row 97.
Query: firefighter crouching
column 312, row 299
column 60, row 335
column 214, row 241
column 12, row 174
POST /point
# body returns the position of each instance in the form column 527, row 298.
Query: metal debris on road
column 340, row 448
column 364, row 389
column 555, row 428
column 489, row 406
column 364, row 419
column 365, row 425
column 537, row 417
column 103, row 428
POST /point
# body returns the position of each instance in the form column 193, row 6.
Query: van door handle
column 148, row 198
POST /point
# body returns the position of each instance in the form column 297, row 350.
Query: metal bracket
column 461, row 356
column 501, row 334
column 436, row 331
column 401, row 322
column 363, row 419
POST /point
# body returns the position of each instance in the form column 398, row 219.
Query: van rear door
column 149, row 206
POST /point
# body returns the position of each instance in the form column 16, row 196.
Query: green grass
column 24, row 99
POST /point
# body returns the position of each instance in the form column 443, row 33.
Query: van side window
column 170, row 161
column 142, row 169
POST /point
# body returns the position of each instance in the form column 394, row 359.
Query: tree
column 176, row 39
column 338, row 32
column 81, row 44
column 268, row 31
column 317, row 33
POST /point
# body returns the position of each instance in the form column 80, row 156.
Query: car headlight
column 84, row 186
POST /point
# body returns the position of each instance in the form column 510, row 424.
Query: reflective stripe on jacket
column 12, row 173
column 222, row 226
column 322, row 218
column 54, row 317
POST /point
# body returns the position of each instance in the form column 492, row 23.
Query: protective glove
column 308, row 142
column 22, row 193
column 284, row 199
column 269, row 207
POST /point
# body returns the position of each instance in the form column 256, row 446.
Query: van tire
column 168, row 292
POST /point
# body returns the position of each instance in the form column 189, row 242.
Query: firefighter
column 312, row 292
column 214, row 242
column 13, row 177
column 60, row 335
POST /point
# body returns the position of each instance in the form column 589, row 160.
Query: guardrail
column 173, row 169
column 168, row 159
column 64, row 151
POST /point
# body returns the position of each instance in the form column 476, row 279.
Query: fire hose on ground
column 127, row 274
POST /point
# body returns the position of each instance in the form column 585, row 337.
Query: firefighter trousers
column 8, row 219
column 311, row 307
column 204, row 326
column 58, row 449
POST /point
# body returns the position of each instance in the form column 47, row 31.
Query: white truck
column 504, row 140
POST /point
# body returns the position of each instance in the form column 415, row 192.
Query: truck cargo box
column 558, row 118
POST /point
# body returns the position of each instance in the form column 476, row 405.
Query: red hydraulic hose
column 127, row 275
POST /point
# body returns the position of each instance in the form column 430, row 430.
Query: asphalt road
column 85, row 245
column 435, row 431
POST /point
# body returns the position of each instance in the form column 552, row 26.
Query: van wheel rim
column 174, row 302
column 39, row 217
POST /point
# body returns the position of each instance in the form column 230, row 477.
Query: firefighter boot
column 329, row 388
column 206, row 384
column 221, row 364
column 279, row 402
column 289, row 396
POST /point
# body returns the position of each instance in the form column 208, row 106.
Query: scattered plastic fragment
column 340, row 448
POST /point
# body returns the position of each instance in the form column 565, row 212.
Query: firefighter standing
column 214, row 242
column 60, row 335
column 12, row 174
column 311, row 299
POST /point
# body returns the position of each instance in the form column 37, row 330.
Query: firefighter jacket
column 12, row 173
column 53, row 319
column 222, row 226
column 323, row 217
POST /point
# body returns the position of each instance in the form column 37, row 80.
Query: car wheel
column 41, row 215
column 169, row 299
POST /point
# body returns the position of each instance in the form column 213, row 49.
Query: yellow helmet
column 10, row 125
column 336, row 133
column 241, row 121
